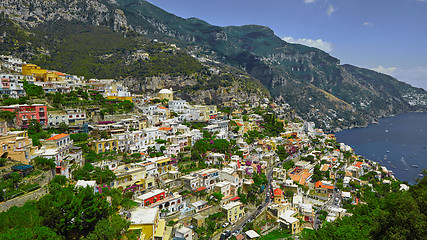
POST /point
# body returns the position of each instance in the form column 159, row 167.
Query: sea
column 398, row 143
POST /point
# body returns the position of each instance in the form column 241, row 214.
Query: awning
column 235, row 199
column 200, row 189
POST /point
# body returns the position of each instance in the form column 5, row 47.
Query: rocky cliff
column 313, row 82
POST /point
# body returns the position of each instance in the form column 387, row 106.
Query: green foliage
column 396, row 215
column 317, row 174
column 217, row 197
column 11, row 101
column 207, row 144
column 104, row 135
column 73, row 213
column 271, row 126
column 251, row 136
column 33, row 90
column 109, row 229
column 9, row 117
column 259, row 179
column 104, row 176
column 79, row 137
column 35, row 233
column 63, row 127
column 89, row 172
column 3, row 161
column 288, row 165
column 36, row 132
column 44, row 163
column 281, row 151
column 277, row 234
column 248, row 226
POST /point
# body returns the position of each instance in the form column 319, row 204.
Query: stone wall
column 42, row 180
column 21, row 200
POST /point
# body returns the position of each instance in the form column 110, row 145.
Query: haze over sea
column 398, row 143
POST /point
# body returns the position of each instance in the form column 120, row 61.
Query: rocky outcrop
column 31, row 13
column 183, row 87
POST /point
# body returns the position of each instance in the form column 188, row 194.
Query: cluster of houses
column 160, row 189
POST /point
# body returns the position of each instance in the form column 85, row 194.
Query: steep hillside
column 143, row 65
column 313, row 82
column 302, row 76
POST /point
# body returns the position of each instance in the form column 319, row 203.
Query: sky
column 388, row 36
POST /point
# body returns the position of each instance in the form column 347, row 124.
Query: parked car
column 225, row 235
column 225, row 224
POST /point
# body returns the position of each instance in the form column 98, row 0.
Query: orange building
column 279, row 197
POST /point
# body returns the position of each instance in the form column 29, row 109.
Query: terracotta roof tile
column 57, row 137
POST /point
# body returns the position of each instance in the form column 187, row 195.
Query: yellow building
column 15, row 145
column 119, row 92
column 128, row 175
column 105, row 145
column 147, row 221
column 271, row 145
column 208, row 111
column 164, row 164
column 120, row 98
column 285, row 216
column 234, row 211
column 147, row 183
column 50, row 76
column 33, row 70
column 165, row 94
column 198, row 220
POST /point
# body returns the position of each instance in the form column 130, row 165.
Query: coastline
column 375, row 120
column 401, row 152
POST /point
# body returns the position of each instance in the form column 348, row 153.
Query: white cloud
column 416, row 76
column 309, row 1
column 368, row 24
column 319, row 43
column 330, row 10
column 384, row 70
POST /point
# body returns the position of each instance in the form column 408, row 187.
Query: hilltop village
column 168, row 168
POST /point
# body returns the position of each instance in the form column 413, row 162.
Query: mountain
column 314, row 83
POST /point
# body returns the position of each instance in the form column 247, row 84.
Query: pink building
column 24, row 113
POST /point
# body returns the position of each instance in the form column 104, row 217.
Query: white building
column 11, row 63
column 178, row 106
column 184, row 233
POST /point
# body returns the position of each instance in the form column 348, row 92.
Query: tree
column 289, row 193
column 73, row 213
column 217, row 196
column 38, row 233
column 3, row 161
column 33, row 90
column 34, row 127
column 109, row 229
column 44, row 163
column 104, row 135
column 79, row 137
column 394, row 215
column 9, row 117
column 16, row 178
column 103, row 176
column 63, row 127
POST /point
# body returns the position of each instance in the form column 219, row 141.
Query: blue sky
column 389, row 36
